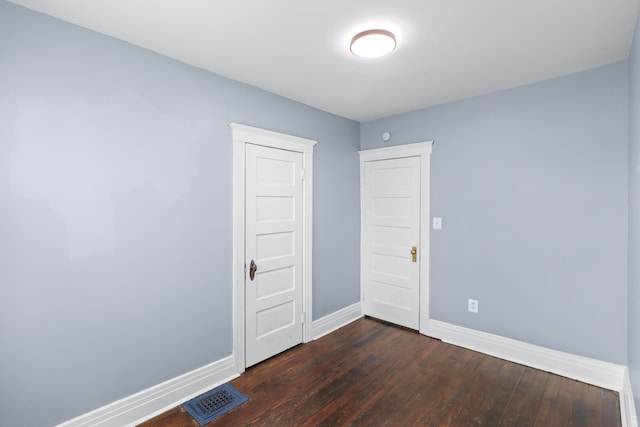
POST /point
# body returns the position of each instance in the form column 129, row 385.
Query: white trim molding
column 146, row 404
column 336, row 320
column 627, row 404
column 423, row 151
column 241, row 136
column 591, row 371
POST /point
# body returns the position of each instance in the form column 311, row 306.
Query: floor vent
column 214, row 403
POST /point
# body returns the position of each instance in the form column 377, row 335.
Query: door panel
column 273, row 231
column 392, row 228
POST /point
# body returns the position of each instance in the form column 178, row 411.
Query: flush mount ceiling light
column 373, row 43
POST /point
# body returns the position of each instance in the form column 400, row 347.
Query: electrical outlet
column 473, row 306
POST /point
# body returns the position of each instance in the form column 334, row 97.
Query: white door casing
column 423, row 152
column 243, row 136
column 273, row 236
column 392, row 235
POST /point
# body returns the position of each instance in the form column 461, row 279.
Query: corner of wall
column 627, row 403
column 333, row 321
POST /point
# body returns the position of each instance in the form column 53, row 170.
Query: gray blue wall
column 532, row 187
column 634, row 216
column 116, row 215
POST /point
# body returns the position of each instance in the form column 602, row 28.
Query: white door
column 273, row 251
column 391, row 239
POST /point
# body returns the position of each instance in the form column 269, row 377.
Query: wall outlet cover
column 472, row 305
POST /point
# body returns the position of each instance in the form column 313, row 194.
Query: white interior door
column 391, row 232
column 273, row 251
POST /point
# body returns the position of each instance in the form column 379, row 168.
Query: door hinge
column 302, row 318
column 302, row 174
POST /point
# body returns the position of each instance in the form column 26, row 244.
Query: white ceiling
column 447, row 49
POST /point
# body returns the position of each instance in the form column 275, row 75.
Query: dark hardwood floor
column 370, row 373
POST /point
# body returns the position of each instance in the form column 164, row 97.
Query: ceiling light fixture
column 373, row 43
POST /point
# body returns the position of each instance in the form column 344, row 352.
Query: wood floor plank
column 392, row 397
column 549, row 401
column 314, row 379
column 345, row 408
column 497, row 401
column 370, row 373
column 442, row 392
column 567, row 393
column 532, row 396
column 480, row 384
column 611, row 409
column 445, row 392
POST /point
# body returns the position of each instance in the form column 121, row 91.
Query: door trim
column 242, row 135
column 423, row 151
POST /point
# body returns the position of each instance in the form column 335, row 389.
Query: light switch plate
column 437, row 223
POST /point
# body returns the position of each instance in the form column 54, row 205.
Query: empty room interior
column 190, row 191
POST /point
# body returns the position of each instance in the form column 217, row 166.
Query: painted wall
column 634, row 216
column 532, row 187
column 116, row 215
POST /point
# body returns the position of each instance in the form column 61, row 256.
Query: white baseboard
column 627, row 405
column 155, row 400
column 591, row 371
column 146, row 404
column 336, row 320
